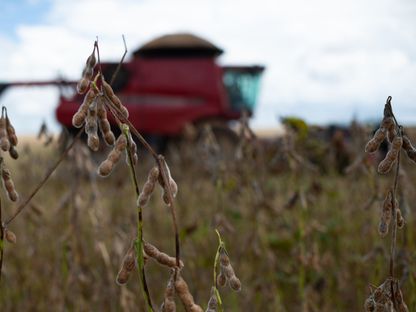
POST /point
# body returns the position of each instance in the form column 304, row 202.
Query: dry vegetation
column 297, row 228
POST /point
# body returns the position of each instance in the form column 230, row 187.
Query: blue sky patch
column 21, row 12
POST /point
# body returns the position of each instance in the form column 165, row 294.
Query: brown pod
column 375, row 142
column 153, row 174
column 148, row 187
column 9, row 185
column 398, row 296
column 185, row 296
column 105, row 126
column 387, row 163
column 4, row 140
column 109, row 138
column 391, row 134
column 169, row 297
column 91, row 61
column 369, row 305
column 127, row 266
column 387, row 208
column 11, row 132
column 213, row 301
column 123, row 277
column 228, row 271
column 114, row 99
column 397, row 143
column 409, row 149
column 161, row 257
column 93, row 142
column 79, row 117
column 13, row 153
column 383, row 228
column 235, row 283
column 221, row 279
column 121, row 143
column 387, row 123
column 103, row 122
column 399, row 219
column 224, row 259
column 91, row 127
column 105, row 168
column 82, row 85
column 10, row 236
column 407, row 144
column 114, row 155
column 144, row 196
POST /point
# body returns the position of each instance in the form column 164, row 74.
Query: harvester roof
column 180, row 44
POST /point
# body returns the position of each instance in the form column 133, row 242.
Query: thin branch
column 113, row 77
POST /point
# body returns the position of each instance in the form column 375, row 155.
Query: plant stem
column 139, row 240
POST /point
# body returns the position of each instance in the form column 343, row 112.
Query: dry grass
column 320, row 249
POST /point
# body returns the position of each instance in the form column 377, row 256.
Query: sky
column 326, row 60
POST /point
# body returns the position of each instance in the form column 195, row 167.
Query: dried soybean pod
column 399, row 219
column 387, row 123
column 91, row 61
column 228, row 271
column 383, row 228
column 387, row 163
column 375, row 142
column 387, row 208
column 79, row 117
column 91, row 127
column 185, row 296
column 11, row 132
column 224, row 259
column 407, row 144
column 105, row 168
column 169, row 297
column 10, row 236
column 82, row 85
column 9, row 185
column 144, row 196
column 161, row 257
column 104, row 124
column 369, row 304
column 409, row 149
column 213, row 301
column 133, row 150
column 234, row 283
column 128, row 265
column 107, row 165
column 114, row 99
column 153, row 174
column 148, row 187
column 88, row 71
column 4, row 140
column 172, row 184
column 221, row 279
column 13, row 153
column 121, row 143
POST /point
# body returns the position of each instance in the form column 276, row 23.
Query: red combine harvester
column 171, row 82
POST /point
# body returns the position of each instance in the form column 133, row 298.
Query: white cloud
column 326, row 60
